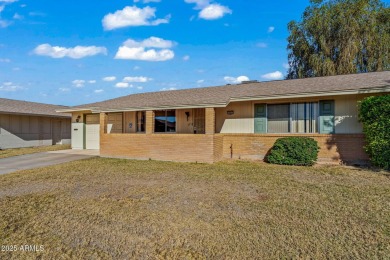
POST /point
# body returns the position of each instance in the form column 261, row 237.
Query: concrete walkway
column 36, row 160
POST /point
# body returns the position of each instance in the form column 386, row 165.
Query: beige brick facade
column 212, row 147
column 336, row 148
column 210, row 120
column 209, row 148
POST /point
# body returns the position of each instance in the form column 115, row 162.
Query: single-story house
column 27, row 124
column 231, row 121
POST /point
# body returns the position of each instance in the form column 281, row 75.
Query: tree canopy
column 339, row 37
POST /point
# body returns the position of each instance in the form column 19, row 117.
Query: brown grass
column 122, row 209
column 29, row 150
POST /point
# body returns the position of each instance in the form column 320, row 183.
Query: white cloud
column 214, row 11
column 200, row 81
column 233, row 80
column 140, row 87
column 110, row 78
column 286, row 66
column 78, row 83
column 136, row 68
column 271, row 29
column 132, row 16
column 136, row 79
column 91, row 81
column 262, row 45
column 199, row 3
column 273, row 75
column 168, row 89
column 17, row 16
column 4, row 24
column 151, row 42
column 208, row 10
column 1, row 8
column 64, row 89
column 10, row 87
column 98, row 91
column 8, row 1
column 5, row 60
column 186, row 58
column 144, row 50
column 123, row 85
column 77, row 52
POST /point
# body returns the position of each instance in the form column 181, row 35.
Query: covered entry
column 92, row 131
column 56, row 134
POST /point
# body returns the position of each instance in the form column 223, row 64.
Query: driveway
column 36, row 160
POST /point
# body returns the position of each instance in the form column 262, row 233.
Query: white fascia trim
column 164, row 107
column 314, row 94
column 88, row 110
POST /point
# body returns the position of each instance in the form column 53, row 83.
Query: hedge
column 374, row 113
column 294, row 151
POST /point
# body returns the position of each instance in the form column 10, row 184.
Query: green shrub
column 294, row 151
column 374, row 113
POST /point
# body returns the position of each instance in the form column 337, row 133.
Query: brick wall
column 165, row 147
column 212, row 148
column 347, row 148
column 210, row 120
column 149, row 122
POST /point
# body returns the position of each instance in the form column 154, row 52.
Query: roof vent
column 249, row 81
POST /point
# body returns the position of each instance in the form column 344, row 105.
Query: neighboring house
column 27, row 124
column 232, row 121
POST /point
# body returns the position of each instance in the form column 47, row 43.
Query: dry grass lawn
column 122, row 209
column 29, row 150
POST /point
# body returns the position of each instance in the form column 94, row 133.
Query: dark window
column 278, row 118
column 141, row 121
column 165, row 121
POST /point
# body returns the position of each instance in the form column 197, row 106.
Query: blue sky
column 77, row 52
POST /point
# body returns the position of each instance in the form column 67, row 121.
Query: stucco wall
column 26, row 131
column 346, row 114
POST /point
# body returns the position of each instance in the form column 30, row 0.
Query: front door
column 260, row 118
column 327, row 117
column 56, row 132
column 92, row 132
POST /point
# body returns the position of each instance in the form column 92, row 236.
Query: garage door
column 92, row 132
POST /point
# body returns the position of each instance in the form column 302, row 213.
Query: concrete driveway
column 36, row 160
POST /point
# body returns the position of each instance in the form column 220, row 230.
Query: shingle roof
column 222, row 95
column 10, row 106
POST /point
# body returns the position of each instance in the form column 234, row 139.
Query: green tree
column 339, row 37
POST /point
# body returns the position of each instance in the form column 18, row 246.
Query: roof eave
column 383, row 89
column 35, row 114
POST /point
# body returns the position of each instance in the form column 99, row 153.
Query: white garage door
column 92, row 132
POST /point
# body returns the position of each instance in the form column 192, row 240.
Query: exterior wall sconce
column 187, row 114
column 230, row 112
column 78, row 118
